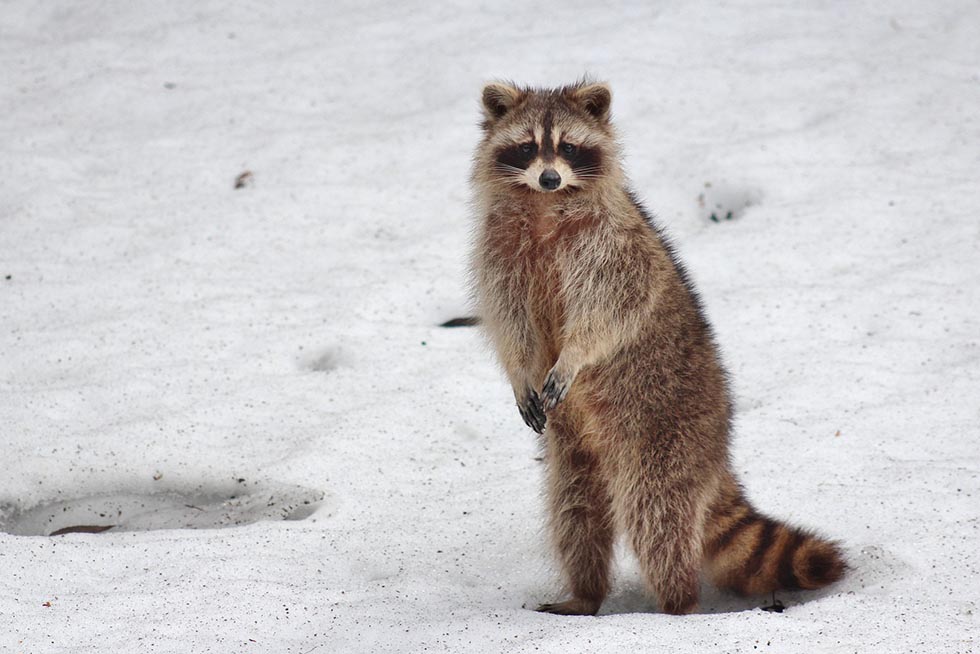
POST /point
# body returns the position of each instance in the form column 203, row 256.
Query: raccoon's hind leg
column 664, row 520
column 581, row 520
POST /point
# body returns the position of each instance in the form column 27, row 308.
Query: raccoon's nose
column 550, row 180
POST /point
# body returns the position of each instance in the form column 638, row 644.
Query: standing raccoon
column 611, row 358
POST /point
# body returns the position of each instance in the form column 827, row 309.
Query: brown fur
column 580, row 294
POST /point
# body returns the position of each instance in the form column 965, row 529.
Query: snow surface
column 164, row 335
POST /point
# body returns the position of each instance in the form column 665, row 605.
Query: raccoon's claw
column 533, row 421
column 532, row 412
column 555, row 389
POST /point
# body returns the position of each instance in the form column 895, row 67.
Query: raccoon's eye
column 568, row 148
column 526, row 148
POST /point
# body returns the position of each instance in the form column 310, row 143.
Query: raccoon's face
column 547, row 140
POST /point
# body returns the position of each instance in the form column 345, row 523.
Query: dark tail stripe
column 766, row 537
column 785, row 573
column 729, row 509
column 729, row 535
column 824, row 567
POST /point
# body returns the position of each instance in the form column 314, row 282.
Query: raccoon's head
column 547, row 140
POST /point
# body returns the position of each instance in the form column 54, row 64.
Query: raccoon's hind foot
column 532, row 411
column 575, row 606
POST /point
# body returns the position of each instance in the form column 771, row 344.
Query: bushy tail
column 750, row 553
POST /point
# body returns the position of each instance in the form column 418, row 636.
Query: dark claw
column 554, row 391
column 537, row 411
column 532, row 413
column 528, row 420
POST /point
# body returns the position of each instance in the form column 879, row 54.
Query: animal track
column 235, row 504
column 720, row 202
column 326, row 361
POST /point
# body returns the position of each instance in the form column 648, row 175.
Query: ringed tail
column 750, row 553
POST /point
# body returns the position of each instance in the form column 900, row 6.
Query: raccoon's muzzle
column 550, row 180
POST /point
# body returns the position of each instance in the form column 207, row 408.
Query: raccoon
column 610, row 358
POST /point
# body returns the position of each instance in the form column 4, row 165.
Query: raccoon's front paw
column 532, row 411
column 555, row 388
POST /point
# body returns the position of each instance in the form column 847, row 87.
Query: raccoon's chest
column 540, row 269
column 532, row 254
column 545, row 303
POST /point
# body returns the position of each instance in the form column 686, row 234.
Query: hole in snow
column 230, row 506
column 719, row 202
column 325, row 361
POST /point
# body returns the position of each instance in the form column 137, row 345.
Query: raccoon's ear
column 498, row 99
column 595, row 99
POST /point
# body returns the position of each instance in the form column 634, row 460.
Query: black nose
column 550, row 180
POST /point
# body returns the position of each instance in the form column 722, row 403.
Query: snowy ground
column 165, row 336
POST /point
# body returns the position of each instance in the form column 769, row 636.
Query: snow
column 164, row 335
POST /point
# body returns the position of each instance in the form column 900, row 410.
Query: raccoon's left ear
column 498, row 99
column 595, row 99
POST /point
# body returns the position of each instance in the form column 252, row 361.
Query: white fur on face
column 538, row 166
column 532, row 175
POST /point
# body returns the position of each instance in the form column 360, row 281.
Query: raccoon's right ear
column 498, row 99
